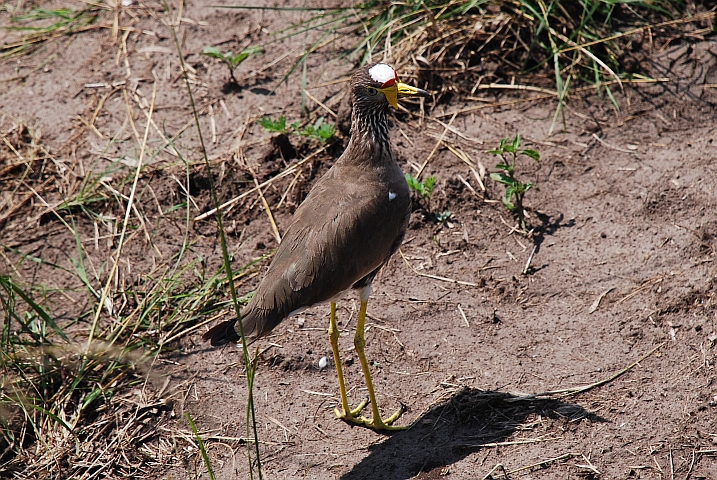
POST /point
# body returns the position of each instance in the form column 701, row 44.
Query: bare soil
column 622, row 259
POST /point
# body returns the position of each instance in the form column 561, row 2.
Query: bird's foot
column 376, row 423
column 352, row 416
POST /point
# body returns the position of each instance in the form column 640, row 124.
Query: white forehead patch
column 382, row 73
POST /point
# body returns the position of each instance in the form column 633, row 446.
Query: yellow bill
column 400, row 90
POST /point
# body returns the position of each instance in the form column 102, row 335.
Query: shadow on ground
column 468, row 421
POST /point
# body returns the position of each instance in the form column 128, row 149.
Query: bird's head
column 375, row 86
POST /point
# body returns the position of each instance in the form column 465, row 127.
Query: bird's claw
column 352, row 418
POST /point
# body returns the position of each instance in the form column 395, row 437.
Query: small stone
column 323, row 362
column 349, row 361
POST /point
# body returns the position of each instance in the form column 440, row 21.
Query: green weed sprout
column 278, row 126
column 442, row 217
column 320, row 130
column 423, row 189
column 509, row 151
column 232, row 61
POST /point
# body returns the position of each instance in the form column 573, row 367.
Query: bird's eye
column 371, row 91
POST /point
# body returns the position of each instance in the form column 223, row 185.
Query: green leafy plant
column 278, row 125
column 232, row 61
column 509, row 151
column 320, row 131
column 442, row 217
column 423, row 189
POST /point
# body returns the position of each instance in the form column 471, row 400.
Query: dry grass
column 77, row 394
column 454, row 47
column 33, row 29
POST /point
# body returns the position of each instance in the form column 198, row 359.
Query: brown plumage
column 343, row 232
column 346, row 229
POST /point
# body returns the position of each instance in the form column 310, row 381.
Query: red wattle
column 388, row 83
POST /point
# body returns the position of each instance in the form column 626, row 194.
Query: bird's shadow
column 468, row 421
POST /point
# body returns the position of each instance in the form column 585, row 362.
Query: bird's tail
column 226, row 332
column 222, row 333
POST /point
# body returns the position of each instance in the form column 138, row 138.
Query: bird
column 348, row 227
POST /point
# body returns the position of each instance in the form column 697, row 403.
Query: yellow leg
column 360, row 343
column 346, row 413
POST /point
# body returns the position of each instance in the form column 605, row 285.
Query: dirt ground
column 619, row 270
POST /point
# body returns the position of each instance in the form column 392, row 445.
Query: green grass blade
column 205, row 457
column 5, row 281
column 225, row 253
column 54, row 417
column 282, row 9
column 612, row 97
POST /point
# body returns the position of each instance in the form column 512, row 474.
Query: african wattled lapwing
column 346, row 229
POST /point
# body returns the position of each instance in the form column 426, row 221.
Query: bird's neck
column 370, row 141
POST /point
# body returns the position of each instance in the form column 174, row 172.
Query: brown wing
column 335, row 240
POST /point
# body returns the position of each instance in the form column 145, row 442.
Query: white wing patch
column 382, row 73
column 391, row 196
